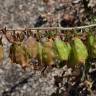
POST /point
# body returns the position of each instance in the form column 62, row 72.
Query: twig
column 53, row 28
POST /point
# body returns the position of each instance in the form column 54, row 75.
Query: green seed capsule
column 39, row 52
column 79, row 51
column 68, row 48
column 62, row 49
column 90, row 41
column 94, row 48
column 48, row 53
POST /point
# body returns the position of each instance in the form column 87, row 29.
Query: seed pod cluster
column 54, row 48
column 74, row 52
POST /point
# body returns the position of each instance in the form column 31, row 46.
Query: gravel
column 23, row 14
column 14, row 81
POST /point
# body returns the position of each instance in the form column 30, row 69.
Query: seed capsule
column 90, row 41
column 18, row 54
column 1, row 51
column 39, row 52
column 31, row 46
column 48, row 52
column 62, row 49
column 94, row 48
column 79, row 51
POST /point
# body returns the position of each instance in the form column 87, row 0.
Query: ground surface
column 22, row 14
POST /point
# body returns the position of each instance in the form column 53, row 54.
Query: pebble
column 76, row 1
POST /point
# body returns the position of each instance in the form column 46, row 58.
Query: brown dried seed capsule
column 19, row 55
column 1, row 53
column 9, row 36
column 31, row 46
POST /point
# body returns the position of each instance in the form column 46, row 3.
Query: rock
column 76, row 1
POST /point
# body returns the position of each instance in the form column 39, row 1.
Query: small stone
column 20, row 7
column 24, row 87
column 76, row 1
column 41, row 9
column 1, row 71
